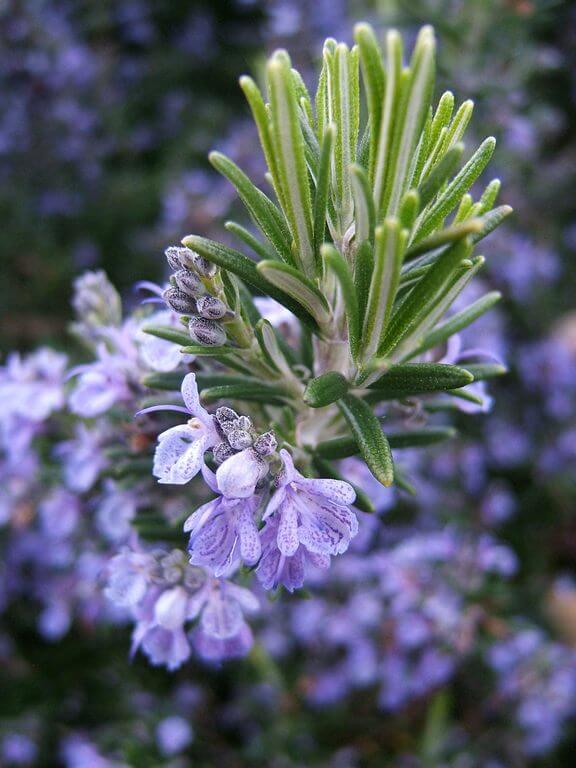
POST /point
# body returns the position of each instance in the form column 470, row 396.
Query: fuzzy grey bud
column 243, row 422
column 221, row 452
column 179, row 257
column 266, row 444
column 203, row 266
column 239, row 439
column 179, row 301
column 225, row 415
column 189, row 283
column 211, row 307
column 206, row 332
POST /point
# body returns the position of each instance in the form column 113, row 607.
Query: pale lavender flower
column 180, row 451
column 311, row 513
column 18, row 749
column 276, row 568
column 223, row 532
column 222, row 632
column 32, row 387
column 59, row 513
column 173, row 735
column 128, row 576
column 116, row 509
column 83, row 457
column 101, row 384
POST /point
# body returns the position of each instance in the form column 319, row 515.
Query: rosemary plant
column 367, row 235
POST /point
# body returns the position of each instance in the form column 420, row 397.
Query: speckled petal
column 287, row 538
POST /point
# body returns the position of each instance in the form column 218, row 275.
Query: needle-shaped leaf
column 342, row 447
column 482, row 371
column 374, row 79
column 370, row 438
column 439, row 174
column 425, row 295
column 259, row 392
column 491, row 220
column 245, row 269
column 271, row 349
column 333, row 260
column 262, row 210
column 364, row 213
column 289, row 147
column 452, row 195
column 391, row 93
column 446, row 236
column 490, row 195
column 344, row 95
column 325, row 389
column 168, row 333
column 384, row 283
column 262, row 250
column 419, row 378
column 363, row 270
column 323, row 187
column 169, row 380
column 458, row 321
column 411, row 115
column 262, row 120
column 293, row 283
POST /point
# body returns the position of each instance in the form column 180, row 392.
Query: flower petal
column 214, row 545
column 238, row 476
column 170, row 608
column 287, row 538
column 221, row 618
column 338, row 491
column 191, row 398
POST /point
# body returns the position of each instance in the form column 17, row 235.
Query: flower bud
column 178, row 257
column 266, row 444
column 204, row 267
column 189, row 283
column 221, row 452
column 243, row 422
column 225, row 415
column 206, row 332
column 211, row 307
column 239, row 439
column 179, row 301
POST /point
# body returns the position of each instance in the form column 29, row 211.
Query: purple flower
column 222, row 632
column 276, row 568
column 101, row 384
column 173, row 735
column 83, row 458
column 312, row 514
column 223, row 532
column 59, row 513
column 180, row 450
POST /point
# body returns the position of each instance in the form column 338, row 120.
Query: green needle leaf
column 325, row 389
column 168, row 333
column 300, row 288
column 370, row 438
column 342, row 447
column 262, row 210
column 418, row 378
